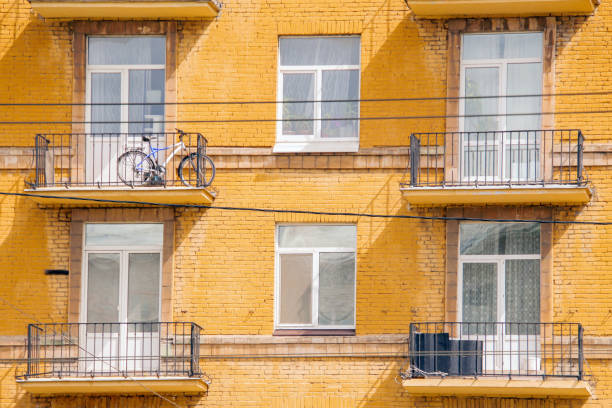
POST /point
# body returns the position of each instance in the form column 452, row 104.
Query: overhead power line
column 362, row 118
column 304, row 212
column 270, row 102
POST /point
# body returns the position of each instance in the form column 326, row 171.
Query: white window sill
column 345, row 146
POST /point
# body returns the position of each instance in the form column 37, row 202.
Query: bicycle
column 137, row 168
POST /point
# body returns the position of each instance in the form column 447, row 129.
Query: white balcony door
column 122, row 300
column 499, row 281
column 493, row 66
column 122, row 72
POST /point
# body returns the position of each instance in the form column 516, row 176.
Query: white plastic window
column 499, row 266
column 126, row 69
column 501, row 64
column 312, row 69
column 315, row 276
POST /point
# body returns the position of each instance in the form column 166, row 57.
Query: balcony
column 115, row 169
column 126, row 9
column 499, row 8
column 537, row 360
column 496, row 167
column 110, row 358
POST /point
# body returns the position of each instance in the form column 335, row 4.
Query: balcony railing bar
column 91, row 159
column 57, row 350
column 512, row 349
column 496, row 158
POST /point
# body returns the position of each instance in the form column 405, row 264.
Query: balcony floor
column 496, row 195
column 114, row 385
column 94, row 196
column 499, row 387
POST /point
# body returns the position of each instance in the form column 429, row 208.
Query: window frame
column 123, row 252
column 124, row 71
column 501, row 146
column 502, row 65
column 500, row 260
column 314, row 142
column 315, row 251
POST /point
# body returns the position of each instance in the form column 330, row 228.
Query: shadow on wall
column 410, row 63
column 31, row 240
column 35, row 67
column 401, row 265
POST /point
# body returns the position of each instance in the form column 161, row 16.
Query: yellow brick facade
column 223, row 262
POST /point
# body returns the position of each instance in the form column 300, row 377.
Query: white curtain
column 137, row 50
column 523, row 294
column 479, row 297
column 319, row 51
column 146, row 86
column 338, row 85
column 106, row 88
column 143, row 289
column 336, row 288
column 295, row 289
column 298, row 87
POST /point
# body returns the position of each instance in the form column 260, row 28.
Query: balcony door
column 125, row 89
column 506, row 147
column 499, row 294
column 122, row 301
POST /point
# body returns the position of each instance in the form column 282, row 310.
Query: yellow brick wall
column 224, row 260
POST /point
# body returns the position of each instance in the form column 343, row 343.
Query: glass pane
column 495, row 46
column 295, row 289
column 319, row 51
column 480, row 238
column 337, row 288
column 143, row 289
column 146, row 86
column 310, row 236
column 522, row 155
column 480, row 161
column 524, row 79
column 140, row 50
column 481, row 82
column 124, row 234
column 106, row 88
column 338, row 85
column 523, row 45
column 523, row 295
column 298, row 87
column 479, row 297
column 102, row 288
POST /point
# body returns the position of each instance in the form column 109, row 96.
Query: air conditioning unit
column 436, row 354
column 429, row 354
column 466, row 357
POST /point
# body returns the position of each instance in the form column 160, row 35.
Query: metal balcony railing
column 502, row 158
column 496, row 349
column 60, row 350
column 94, row 160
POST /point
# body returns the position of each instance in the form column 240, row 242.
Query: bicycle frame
column 153, row 154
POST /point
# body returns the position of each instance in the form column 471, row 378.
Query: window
column 126, row 70
column 499, row 266
column 122, row 71
column 314, row 69
column 315, row 279
column 122, row 284
column 501, row 64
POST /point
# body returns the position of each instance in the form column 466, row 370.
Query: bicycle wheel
column 194, row 175
column 135, row 168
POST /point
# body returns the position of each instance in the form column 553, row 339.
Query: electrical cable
column 269, row 102
column 306, row 212
column 359, row 118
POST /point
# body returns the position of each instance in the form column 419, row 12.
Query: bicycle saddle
column 146, row 139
